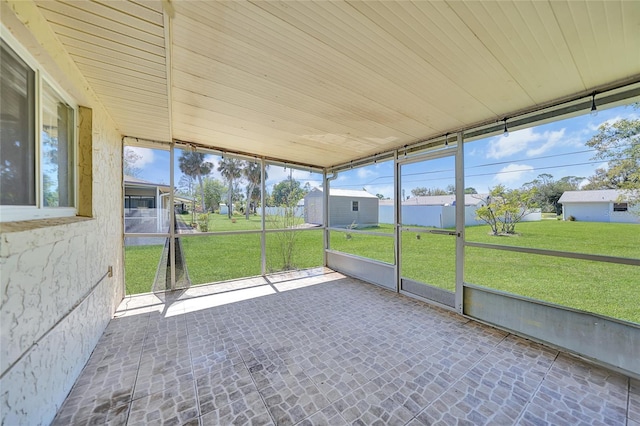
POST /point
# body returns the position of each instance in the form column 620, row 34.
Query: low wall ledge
column 30, row 225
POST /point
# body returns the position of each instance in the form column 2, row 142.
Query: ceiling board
column 83, row 29
column 323, row 117
column 282, row 55
column 210, row 119
column 324, row 83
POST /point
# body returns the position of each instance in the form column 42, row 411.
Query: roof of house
column 443, row 200
column 599, row 195
column 334, row 192
column 137, row 182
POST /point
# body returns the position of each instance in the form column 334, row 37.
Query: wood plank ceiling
column 322, row 83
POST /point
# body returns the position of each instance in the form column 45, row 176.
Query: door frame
column 458, row 155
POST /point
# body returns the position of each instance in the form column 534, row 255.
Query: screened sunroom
column 319, row 212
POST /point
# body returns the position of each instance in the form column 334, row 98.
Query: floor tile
column 175, row 406
column 576, row 392
column 329, row 350
column 220, row 386
column 634, row 400
column 249, row 409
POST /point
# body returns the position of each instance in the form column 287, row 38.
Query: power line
column 473, row 175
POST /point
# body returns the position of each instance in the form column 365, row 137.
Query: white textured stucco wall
column 45, row 273
column 46, row 270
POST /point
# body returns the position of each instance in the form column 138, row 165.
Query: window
column 139, row 202
column 17, row 112
column 38, row 139
column 620, row 207
column 355, row 205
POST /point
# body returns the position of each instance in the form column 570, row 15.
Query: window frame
column 355, row 205
column 13, row 213
column 621, row 207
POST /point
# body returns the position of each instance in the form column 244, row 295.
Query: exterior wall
column 313, row 208
column 597, row 212
column 534, row 215
column 625, row 217
column 280, row 211
column 587, row 212
column 436, row 216
column 340, row 213
column 57, row 297
column 385, row 213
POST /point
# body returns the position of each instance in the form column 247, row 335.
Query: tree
column 253, row 175
column 422, row 191
column 619, row 144
column 470, row 190
column 193, row 164
column 186, row 186
column 505, row 208
column 231, row 170
column 129, row 160
column 549, row 191
column 287, row 193
column 214, row 190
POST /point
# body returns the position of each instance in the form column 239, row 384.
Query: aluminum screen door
column 427, row 223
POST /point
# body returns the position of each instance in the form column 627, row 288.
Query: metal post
column 396, row 218
column 325, row 207
column 172, row 221
column 263, row 235
column 460, row 222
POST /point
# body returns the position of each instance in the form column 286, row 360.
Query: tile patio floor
column 328, row 349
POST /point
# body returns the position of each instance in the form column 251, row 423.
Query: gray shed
column 345, row 207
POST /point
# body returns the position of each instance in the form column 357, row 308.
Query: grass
column 221, row 222
column 604, row 288
column 141, row 263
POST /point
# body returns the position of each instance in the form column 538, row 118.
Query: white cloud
column 144, row 155
column 552, row 139
column 277, row 174
column 386, row 190
column 513, row 174
column 528, row 140
column 365, row 172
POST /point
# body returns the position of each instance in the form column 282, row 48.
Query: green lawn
column 141, row 264
column 608, row 289
column 221, row 222
column 605, row 288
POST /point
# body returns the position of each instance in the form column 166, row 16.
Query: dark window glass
column 17, row 130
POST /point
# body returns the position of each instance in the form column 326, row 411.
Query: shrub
column 571, row 218
column 203, row 222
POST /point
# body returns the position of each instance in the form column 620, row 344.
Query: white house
column 146, row 206
column 604, row 205
column 440, row 210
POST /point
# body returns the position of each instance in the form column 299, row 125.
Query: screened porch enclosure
column 436, row 248
column 308, row 212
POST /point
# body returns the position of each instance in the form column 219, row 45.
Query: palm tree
column 193, row 164
column 253, row 175
column 231, row 169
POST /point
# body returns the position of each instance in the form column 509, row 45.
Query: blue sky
column 556, row 148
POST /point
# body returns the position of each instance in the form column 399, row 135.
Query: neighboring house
column 439, row 211
column 146, row 206
column 345, row 207
column 604, row 205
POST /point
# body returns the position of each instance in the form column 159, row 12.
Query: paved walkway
column 327, row 349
